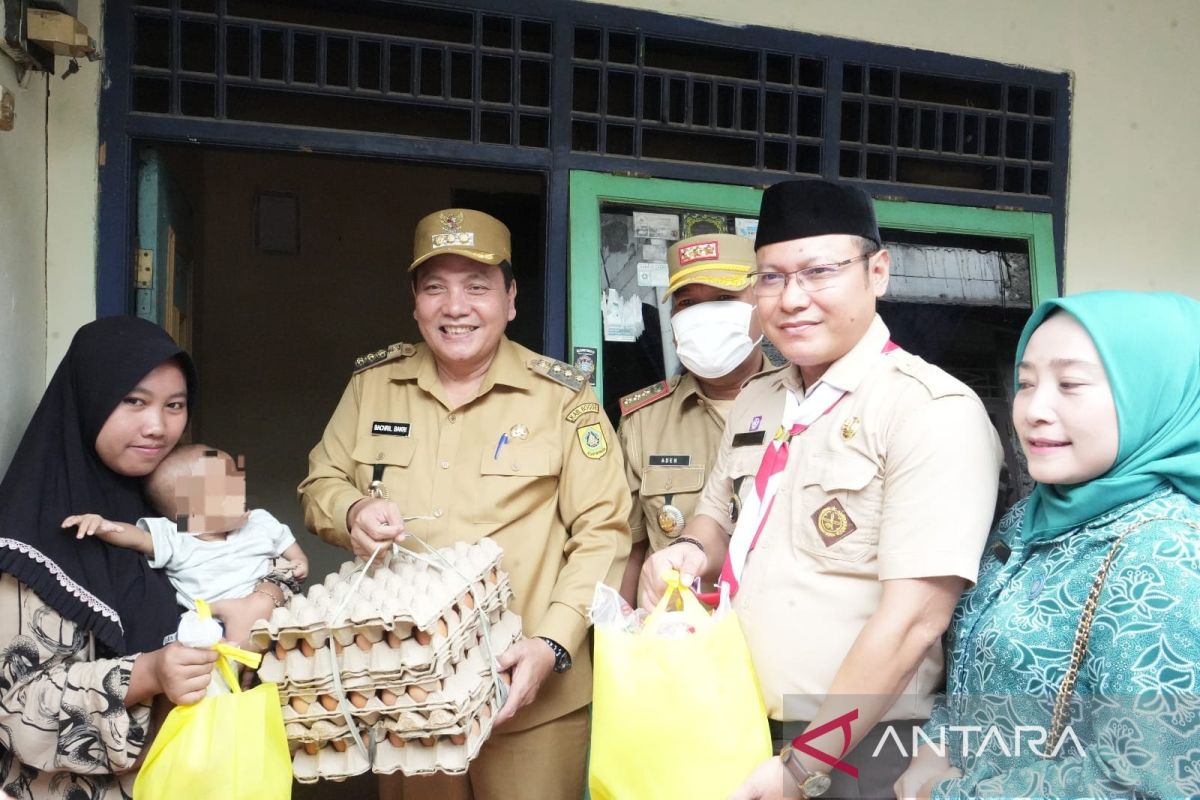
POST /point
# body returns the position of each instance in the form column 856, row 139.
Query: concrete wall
column 1135, row 112
column 22, row 258
column 71, row 143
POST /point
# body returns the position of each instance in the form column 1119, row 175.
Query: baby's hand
column 298, row 569
column 90, row 524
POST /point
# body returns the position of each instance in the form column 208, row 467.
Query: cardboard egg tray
column 408, row 650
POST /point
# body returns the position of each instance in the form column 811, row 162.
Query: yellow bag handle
column 227, row 652
column 694, row 612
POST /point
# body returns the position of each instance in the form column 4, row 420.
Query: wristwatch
column 812, row 784
column 562, row 659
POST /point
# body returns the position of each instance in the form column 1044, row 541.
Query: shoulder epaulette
column 558, row 372
column 771, row 370
column 644, row 397
column 936, row 381
column 397, row 350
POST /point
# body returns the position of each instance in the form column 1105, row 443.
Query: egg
column 280, row 651
column 395, row 739
column 363, row 642
column 423, row 638
column 458, row 738
column 299, row 704
column 339, row 745
column 468, row 601
column 328, row 702
column 506, row 679
column 311, row 748
column 429, row 741
column 442, row 627
column 306, row 649
column 357, row 699
column 393, row 640
column 418, row 694
column 388, row 697
column 475, row 727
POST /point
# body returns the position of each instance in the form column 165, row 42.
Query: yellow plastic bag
column 681, row 717
column 227, row 746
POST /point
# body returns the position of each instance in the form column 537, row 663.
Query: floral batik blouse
column 1133, row 728
column 64, row 729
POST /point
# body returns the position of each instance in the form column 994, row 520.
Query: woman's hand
column 926, row 769
column 179, row 672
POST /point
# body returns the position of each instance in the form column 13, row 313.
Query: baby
column 210, row 546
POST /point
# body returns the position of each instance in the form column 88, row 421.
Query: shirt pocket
column 395, row 453
column 679, row 486
column 513, row 482
column 836, row 515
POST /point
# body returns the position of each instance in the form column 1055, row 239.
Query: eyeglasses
column 811, row 279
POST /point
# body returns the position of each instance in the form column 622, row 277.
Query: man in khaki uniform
column 670, row 431
column 848, row 506
column 471, row 435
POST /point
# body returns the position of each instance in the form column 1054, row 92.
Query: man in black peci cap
column 847, row 508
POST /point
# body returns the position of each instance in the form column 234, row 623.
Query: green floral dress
column 1134, row 725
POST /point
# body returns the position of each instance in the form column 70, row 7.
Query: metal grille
column 451, row 74
column 903, row 126
column 649, row 96
column 649, row 88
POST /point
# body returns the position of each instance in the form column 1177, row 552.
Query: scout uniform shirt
column 670, row 433
column 898, row 480
column 531, row 462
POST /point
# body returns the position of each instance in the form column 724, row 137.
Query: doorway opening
column 279, row 269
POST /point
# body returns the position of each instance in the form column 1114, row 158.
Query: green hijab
column 1149, row 343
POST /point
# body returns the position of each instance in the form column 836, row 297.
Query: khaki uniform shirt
column 552, row 495
column 669, row 445
column 897, row 481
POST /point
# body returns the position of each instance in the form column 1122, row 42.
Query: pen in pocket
column 499, row 444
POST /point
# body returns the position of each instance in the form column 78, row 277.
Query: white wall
column 22, row 258
column 72, row 133
column 1135, row 111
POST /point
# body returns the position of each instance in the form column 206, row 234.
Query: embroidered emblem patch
column 755, row 423
column 833, row 523
column 700, row 251
column 581, row 409
column 591, row 441
column 850, row 428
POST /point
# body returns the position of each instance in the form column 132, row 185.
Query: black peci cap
column 797, row 209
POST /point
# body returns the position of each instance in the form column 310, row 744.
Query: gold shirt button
column 380, row 456
column 444, row 465
column 515, row 466
column 437, row 512
column 452, row 418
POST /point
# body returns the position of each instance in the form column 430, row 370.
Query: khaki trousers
column 545, row 762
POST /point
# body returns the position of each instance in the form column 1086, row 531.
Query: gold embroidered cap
column 716, row 259
column 463, row 231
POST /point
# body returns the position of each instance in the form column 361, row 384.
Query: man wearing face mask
column 670, row 430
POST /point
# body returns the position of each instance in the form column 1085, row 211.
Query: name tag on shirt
column 749, row 438
column 390, row 428
column 670, row 461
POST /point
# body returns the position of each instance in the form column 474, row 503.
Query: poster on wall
column 647, row 225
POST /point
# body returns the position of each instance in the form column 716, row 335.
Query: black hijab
column 110, row 591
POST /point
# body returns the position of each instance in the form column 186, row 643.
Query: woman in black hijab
column 83, row 623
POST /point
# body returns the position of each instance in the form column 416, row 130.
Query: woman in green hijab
column 1074, row 663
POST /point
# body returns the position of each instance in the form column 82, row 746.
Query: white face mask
column 712, row 339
